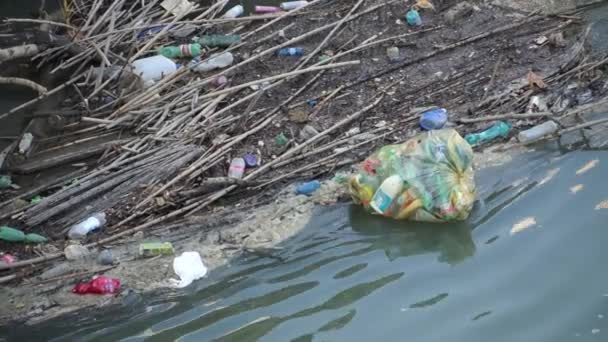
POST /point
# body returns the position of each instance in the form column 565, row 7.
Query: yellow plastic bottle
column 386, row 193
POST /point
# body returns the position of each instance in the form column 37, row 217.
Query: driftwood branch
column 23, row 82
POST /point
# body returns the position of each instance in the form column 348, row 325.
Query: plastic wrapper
column 427, row 178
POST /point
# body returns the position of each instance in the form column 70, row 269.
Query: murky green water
column 352, row 277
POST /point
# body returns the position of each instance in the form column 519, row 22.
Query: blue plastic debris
column 308, row 188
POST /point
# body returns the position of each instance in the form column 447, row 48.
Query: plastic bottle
column 237, row 168
column 434, row 119
column 413, row 18
column 290, row 52
column 150, row 249
column 15, row 235
column 292, row 5
column 99, row 285
column 266, row 9
column 251, row 160
column 184, row 50
column 218, row 40
column 80, row 230
column 217, row 61
column 501, row 128
column 152, row 69
column 5, row 182
column 26, row 143
column 234, row 12
column 308, row 188
column 386, row 193
column 535, row 133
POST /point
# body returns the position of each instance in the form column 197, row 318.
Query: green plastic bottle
column 15, row 235
column 217, row 40
column 500, row 129
column 185, row 50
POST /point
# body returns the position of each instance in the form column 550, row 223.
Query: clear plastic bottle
column 290, row 52
column 215, row 62
column 237, row 168
column 234, row 12
column 292, row 5
column 386, row 193
column 535, row 133
column 501, row 128
column 80, row 230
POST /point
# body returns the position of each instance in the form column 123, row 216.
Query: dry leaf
column 576, row 188
column 590, row 165
column 535, row 81
column 523, row 225
column 424, row 4
column 602, row 205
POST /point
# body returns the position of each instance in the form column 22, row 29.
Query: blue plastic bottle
column 308, row 188
column 291, row 52
column 413, row 18
column 434, row 119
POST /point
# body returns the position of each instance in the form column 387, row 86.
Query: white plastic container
column 237, row 168
column 80, row 230
column 292, row 5
column 217, row 61
column 152, row 69
column 234, row 12
column 386, row 193
column 535, row 133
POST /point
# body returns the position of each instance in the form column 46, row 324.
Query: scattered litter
column 234, row 12
column 177, row 7
column 500, row 129
column 549, row 176
column 393, row 53
column 7, row 259
column 98, row 285
column 26, row 143
column 413, row 18
column 281, row 139
column 36, row 199
column 15, row 235
column 588, row 166
column 434, row 119
column 426, row 4
column 188, row 267
column 150, row 249
column 152, row 69
column 76, row 252
column 576, row 188
column 184, row 50
column 308, row 188
column 602, row 205
column 251, row 160
column 537, row 104
column 292, row 5
column 220, row 81
column 82, row 229
column 5, row 182
column 308, row 132
column 266, row 9
column 298, row 115
column 312, row 102
column 535, row 80
column 541, row 40
column 595, row 331
column 523, row 225
column 537, row 132
column 584, row 97
column 427, row 178
column 290, row 52
column 237, row 168
column 217, row 61
column 341, row 178
column 106, row 257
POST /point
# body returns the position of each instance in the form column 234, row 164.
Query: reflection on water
column 350, row 276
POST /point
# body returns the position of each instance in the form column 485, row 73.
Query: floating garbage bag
column 427, row 178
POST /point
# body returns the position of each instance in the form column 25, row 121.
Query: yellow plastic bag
column 435, row 180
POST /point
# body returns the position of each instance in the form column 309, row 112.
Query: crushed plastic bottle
column 82, row 229
column 184, row 50
column 413, row 18
column 434, row 119
column 308, row 188
column 217, row 61
column 98, row 285
column 535, row 133
column 290, row 52
column 292, row 5
column 237, row 168
column 500, row 129
column 234, row 12
column 219, row 40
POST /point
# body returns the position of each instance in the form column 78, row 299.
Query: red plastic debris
column 99, row 285
column 7, row 259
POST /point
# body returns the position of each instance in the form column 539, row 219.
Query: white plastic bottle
column 234, row 12
column 237, row 168
column 535, row 133
column 386, row 193
column 217, row 61
column 292, row 5
column 152, row 69
column 80, row 230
